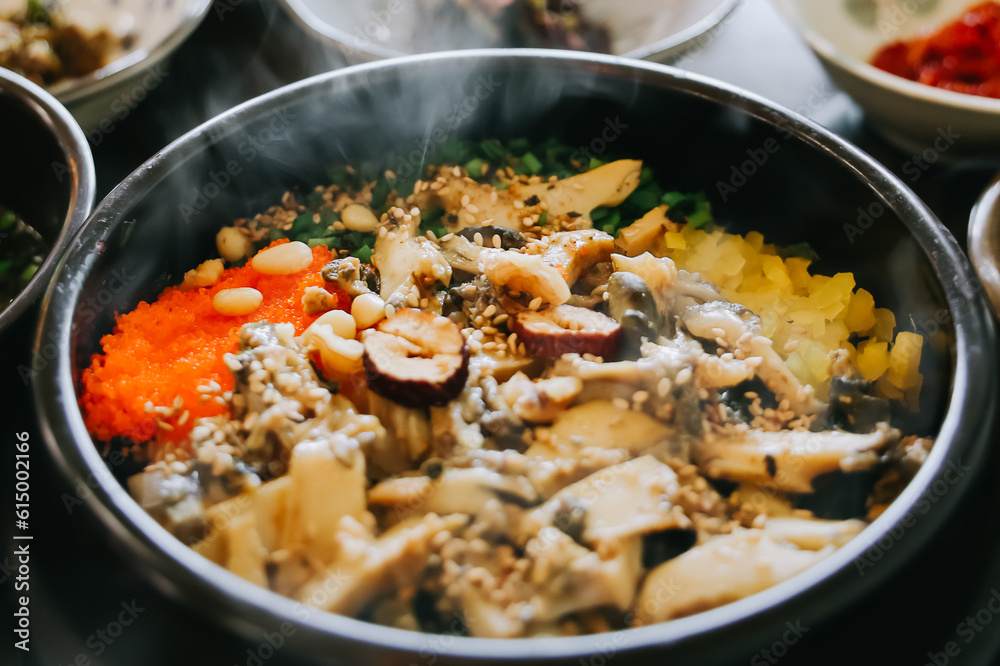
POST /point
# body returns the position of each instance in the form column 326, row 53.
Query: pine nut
column 359, row 218
column 341, row 322
column 283, row 259
column 368, row 310
column 238, row 301
column 232, row 245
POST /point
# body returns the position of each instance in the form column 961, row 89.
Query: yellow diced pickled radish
column 873, row 359
column 860, row 315
column 675, row 240
column 774, row 269
column 904, row 359
column 798, row 271
column 812, row 320
column 885, row 324
column 755, row 239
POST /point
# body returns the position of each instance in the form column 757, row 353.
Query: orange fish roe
column 161, row 353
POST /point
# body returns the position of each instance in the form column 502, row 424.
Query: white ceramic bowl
column 845, row 34
column 155, row 28
column 984, row 242
column 369, row 30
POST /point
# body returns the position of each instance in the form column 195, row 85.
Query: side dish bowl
column 846, row 35
column 366, row 31
column 47, row 177
column 151, row 30
column 984, row 241
column 763, row 168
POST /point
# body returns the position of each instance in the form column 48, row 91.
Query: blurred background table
column 248, row 47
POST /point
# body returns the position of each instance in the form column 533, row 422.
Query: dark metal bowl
column 764, row 169
column 46, row 176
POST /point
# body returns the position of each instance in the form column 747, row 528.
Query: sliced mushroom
column 566, row 329
column 327, row 483
column 626, row 500
column 659, row 274
column 641, row 235
column 734, row 327
column 368, row 568
column 722, row 570
column 509, row 239
column 604, row 424
column 473, row 204
column 407, row 440
column 572, row 252
column 350, row 275
column 790, row 459
column 539, row 401
column 568, row 577
column 524, row 273
column 461, row 254
column 455, row 491
column 416, row 359
column 810, row 534
column 406, row 260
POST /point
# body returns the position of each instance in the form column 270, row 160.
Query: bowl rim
column 126, row 67
column 182, row 572
column 828, row 50
column 662, row 48
column 80, row 168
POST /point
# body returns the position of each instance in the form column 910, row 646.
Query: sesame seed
column 465, row 200
column 620, row 403
column 683, row 376
column 478, row 239
column 499, row 319
column 496, row 241
column 472, row 208
column 490, row 310
column 791, row 346
column 535, row 303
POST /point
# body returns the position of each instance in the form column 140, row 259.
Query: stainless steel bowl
column 46, row 176
column 698, row 133
column 657, row 30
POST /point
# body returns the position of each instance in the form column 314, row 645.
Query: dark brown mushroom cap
column 567, row 329
column 416, row 359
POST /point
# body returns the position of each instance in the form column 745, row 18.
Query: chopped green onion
column 594, row 163
column 531, row 163
column 364, row 253
column 316, row 242
column 475, row 167
column 7, row 219
column 543, row 217
column 518, row 146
